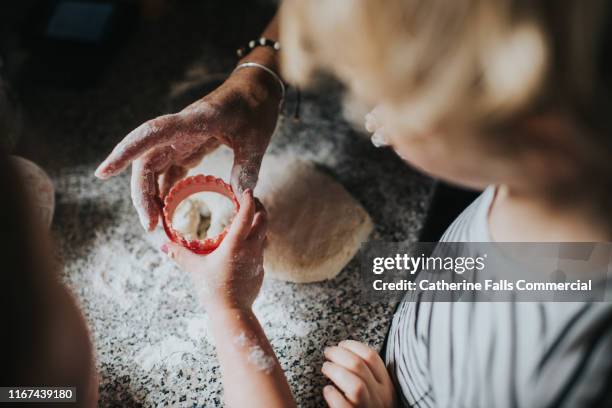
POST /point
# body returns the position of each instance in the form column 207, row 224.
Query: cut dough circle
column 315, row 226
column 189, row 221
column 202, row 215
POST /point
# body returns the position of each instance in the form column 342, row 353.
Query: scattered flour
column 116, row 275
column 197, row 328
column 168, row 353
column 301, row 329
column 279, row 320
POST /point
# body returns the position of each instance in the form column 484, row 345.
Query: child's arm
column 251, row 374
column 228, row 281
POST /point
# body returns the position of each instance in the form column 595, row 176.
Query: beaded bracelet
column 262, row 42
column 266, row 42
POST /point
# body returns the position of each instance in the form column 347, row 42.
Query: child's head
column 474, row 92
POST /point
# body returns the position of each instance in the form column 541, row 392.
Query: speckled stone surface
column 150, row 334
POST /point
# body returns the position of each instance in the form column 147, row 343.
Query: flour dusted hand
column 241, row 114
column 230, row 277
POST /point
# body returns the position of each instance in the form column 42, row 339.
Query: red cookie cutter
column 183, row 189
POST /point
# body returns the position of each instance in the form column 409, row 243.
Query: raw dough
column 315, row 226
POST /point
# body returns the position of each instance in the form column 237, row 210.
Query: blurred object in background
column 152, row 9
column 12, row 56
column 71, row 42
column 11, row 119
column 197, row 82
column 38, row 187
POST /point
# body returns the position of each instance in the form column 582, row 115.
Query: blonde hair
column 472, row 64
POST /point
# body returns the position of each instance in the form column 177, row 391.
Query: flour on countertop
column 167, row 353
column 197, row 328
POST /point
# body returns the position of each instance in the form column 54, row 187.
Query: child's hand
column 360, row 377
column 231, row 276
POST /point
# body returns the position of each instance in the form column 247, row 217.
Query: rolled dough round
column 315, row 226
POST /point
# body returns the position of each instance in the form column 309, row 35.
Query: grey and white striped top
column 471, row 354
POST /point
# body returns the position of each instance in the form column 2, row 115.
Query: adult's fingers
column 195, row 156
column 154, row 133
column 241, row 225
column 334, row 398
column 144, row 194
column 170, row 177
column 351, row 361
column 245, row 170
column 353, row 387
column 180, row 167
column 144, row 187
column 369, row 356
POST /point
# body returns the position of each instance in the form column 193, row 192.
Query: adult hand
column 241, row 114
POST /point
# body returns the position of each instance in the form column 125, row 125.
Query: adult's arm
column 241, row 113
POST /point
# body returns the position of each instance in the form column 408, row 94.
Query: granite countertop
column 150, row 334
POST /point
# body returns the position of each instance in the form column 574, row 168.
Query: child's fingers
column 241, row 225
column 183, row 257
column 260, row 223
column 353, row 387
column 369, row 356
column 334, row 398
column 351, row 361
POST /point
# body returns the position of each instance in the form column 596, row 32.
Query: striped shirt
column 499, row 354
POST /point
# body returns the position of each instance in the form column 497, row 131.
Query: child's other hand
column 359, row 375
column 230, row 277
